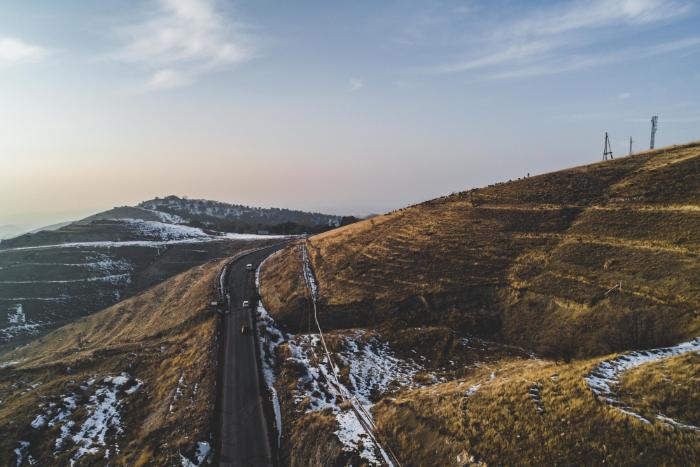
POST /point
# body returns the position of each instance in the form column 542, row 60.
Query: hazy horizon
column 344, row 109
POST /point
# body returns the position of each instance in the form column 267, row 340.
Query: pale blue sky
column 355, row 107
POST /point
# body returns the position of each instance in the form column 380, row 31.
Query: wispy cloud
column 168, row 78
column 597, row 14
column 13, row 50
column 576, row 62
column 356, row 84
column 559, row 38
column 181, row 40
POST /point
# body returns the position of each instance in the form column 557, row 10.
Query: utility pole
column 654, row 126
column 607, row 149
column 630, row 145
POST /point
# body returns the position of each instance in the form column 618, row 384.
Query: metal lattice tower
column 607, row 149
column 654, row 127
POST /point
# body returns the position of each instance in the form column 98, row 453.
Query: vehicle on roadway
column 245, row 329
column 246, row 304
column 249, row 267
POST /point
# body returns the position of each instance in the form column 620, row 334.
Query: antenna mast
column 654, row 126
column 630, row 145
column 607, row 149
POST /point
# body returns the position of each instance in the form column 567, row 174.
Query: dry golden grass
column 670, row 387
column 526, row 262
column 162, row 336
column 501, row 423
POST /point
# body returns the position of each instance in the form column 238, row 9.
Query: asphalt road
column 244, row 437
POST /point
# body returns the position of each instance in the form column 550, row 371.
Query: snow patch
column 372, row 369
column 270, row 338
column 201, row 455
column 102, row 415
column 18, row 324
column 604, row 379
column 20, row 452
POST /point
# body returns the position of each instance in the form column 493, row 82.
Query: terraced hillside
column 536, row 412
column 130, row 385
column 481, row 328
column 586, row 261
column 50, row 278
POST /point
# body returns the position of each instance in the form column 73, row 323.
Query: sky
column 343, row 107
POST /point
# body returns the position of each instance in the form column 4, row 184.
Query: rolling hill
column 500, row 325
column 51, row 277
column 239, row 218
column 133, row 384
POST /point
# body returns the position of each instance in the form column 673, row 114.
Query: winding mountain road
column 243, row 430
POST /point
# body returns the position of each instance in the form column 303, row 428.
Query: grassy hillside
column 530, row 262
column 472, row 326
column 532, row 413
column 134, row 382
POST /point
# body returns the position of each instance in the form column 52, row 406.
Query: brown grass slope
column 527, row 262
column 165, row 337
column 533, row 413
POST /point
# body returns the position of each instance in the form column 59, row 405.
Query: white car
column 246, row 304
column 249, row 267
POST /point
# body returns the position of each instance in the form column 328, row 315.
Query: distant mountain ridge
column 210, row 212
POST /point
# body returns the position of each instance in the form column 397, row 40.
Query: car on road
column 245, row 329
column 246, row 304
column 249, row 267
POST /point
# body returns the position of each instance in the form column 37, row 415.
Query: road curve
column 243, row 430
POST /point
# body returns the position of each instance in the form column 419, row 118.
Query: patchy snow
column 676, row 424
column 372, row 369
column 150, row 243
column 203, row 450
column 308, row 273
column 198, row 208
column 177, row 394
column 166, row 216
column 270, row 339
column 9, row 363
column 20, row 452
column 18, row 324
column 101, row 416
column 201, row 455
column 534, row 393
column 604, row 379
column 472, row 390
column 245, row 236
column 354, row 437
column 373, row 366
column 162, row 231
column 113, row 278
column 39, row 421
